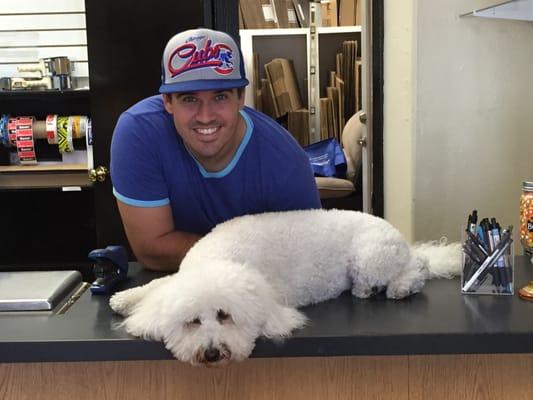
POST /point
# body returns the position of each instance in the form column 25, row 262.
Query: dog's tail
column 443, row 259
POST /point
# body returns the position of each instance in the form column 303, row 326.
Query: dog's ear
column 282, row 320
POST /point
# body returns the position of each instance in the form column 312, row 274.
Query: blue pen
column 506, row 271
column 495, row 229
column 481, row 237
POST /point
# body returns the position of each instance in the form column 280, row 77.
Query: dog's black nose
column 212, row 354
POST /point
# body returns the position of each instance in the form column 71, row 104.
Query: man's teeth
column 206, row 131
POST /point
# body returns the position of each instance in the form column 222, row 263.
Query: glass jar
column 526, row 216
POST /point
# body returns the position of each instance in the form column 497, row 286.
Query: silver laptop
column 36, row 290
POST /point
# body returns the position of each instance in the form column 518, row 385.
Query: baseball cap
column 201, row 59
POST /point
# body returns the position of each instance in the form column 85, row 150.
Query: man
column 194, row 156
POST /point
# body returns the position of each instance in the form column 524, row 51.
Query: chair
column 336, row 187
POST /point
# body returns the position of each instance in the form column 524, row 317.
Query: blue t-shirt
column 151, row 167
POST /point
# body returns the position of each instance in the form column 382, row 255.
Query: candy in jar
column 526, row 216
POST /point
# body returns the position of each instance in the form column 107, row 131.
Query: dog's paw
column 122, row 302
column 363, row 291
column 399, row 290
column 396, row 292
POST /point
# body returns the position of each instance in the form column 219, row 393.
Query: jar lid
column 527, row 185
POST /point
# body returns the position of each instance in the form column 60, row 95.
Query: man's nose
column 205, row 112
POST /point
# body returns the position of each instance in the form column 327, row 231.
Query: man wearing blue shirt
column 195, row 156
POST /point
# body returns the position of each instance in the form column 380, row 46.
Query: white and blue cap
column 201, row 59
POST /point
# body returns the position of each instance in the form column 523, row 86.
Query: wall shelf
column 514, row 9
column 66, row 180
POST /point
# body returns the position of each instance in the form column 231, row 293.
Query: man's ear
column 282, row 321
column 241, row 97
column 167, row 101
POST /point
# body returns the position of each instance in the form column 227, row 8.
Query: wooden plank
column 328, row 378
column 458, row 377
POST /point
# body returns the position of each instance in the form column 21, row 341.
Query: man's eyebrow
column 182, row 94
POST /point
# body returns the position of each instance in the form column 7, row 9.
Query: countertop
column 439, row 320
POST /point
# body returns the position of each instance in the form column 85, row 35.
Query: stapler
column 110, row 268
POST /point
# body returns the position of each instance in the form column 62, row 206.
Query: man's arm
column 155, row 242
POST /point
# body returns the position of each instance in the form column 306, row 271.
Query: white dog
column 246, row 278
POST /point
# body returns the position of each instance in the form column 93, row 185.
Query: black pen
column 477, row 244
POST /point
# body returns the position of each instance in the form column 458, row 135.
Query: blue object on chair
column 327, row 158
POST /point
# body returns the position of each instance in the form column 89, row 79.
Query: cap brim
column 201, row 85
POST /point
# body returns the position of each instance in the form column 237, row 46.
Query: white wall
column 471, row 138
column 398, row 109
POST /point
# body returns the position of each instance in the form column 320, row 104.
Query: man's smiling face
column 209, row 124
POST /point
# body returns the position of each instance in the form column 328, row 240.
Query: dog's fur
column 246, row 278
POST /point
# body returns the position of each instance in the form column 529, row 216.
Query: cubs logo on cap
column 201, row 59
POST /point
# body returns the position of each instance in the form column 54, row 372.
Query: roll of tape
column 89, row 144
column 25, row 142
column 63, row 142
column 51, row 129
column 79, row 126
column 69, row 133
column 4, row 138
column 12, row 131
column 39, row 129
column 89, row 133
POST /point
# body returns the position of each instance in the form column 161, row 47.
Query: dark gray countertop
column 440, row 320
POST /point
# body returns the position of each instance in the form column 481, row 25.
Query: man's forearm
column 167, row 251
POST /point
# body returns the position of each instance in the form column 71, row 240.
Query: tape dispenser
column 110, row 268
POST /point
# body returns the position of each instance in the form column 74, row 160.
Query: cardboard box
column 257, row 14
column 333, row 94
column 291, row 15
column 268, row 101
column 298, row 125
column 282, row 76
column 349, row 57
column 280, row 10
column 358, row 86
column 347, row 10
column 328, row 13
column 339, row 84
column 301, row 7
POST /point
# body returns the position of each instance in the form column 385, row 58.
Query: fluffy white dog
column 246, row 278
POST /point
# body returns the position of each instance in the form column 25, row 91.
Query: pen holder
column 488, row 271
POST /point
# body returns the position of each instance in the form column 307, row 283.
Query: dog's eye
column 222, row 316
column 195, row 321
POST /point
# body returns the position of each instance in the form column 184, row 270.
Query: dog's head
column 213, row 314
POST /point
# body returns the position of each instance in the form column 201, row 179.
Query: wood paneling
column 381, row 378
column 498, row 376
column 298, row 378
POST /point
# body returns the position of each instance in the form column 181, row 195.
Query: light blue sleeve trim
column 238, row 153
column 140, row 203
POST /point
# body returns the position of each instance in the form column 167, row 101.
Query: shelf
column 69, row 177
column 272, row 32
column 49, row 94
column 43, row 167
column 338, row 29
column 514, row 9
column 296, row 31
